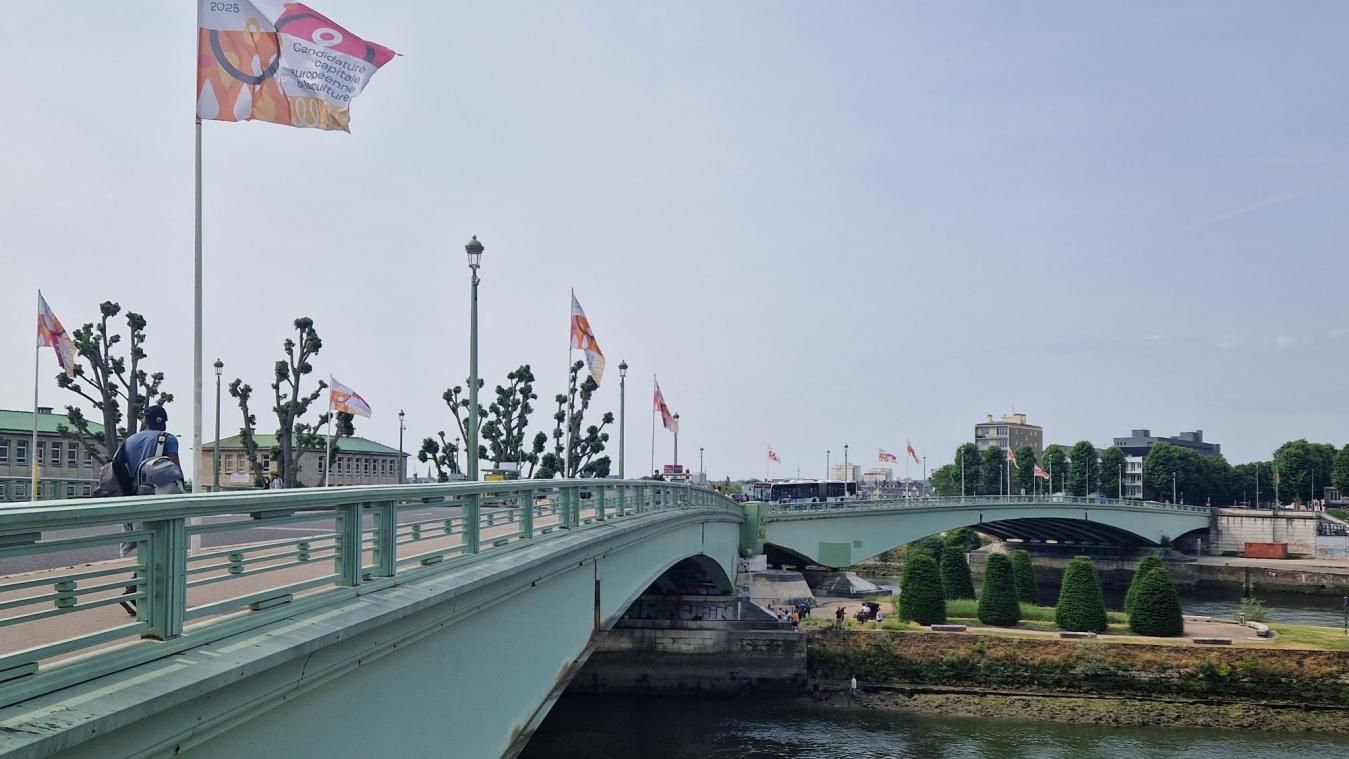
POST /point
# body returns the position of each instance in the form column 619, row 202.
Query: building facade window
column 73, row 455
column 70, row 490
column 41, row 456
column 21, row 490
column 88, row 490
column 4, row 450
column 88, row 458
column 21, row 454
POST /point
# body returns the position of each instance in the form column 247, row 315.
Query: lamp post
column 474, row 250
column 676, row 439
column 215, row 476
column 402, row 465
column 1173, row 488
column 827, row 474
column 622, row 421
column 702, row 473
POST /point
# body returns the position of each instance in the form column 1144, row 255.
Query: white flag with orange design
column 267, row 60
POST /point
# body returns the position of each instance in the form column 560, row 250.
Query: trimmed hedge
column 955, row 573
column 1081, row 606
column 1157, row 609
column 997, row 599
column 1148, row 564
column 1023, row 573
column 920, row 594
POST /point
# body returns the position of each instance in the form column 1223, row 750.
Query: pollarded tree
column 442, row 454
column 108, row 380
column 294, row 436
column 1113, row 464
column 1023, row 573
column 991, row 465
column 585, row 445
column 1023, row 477
column 1157, row 609
column 997, row 598
column 920, row 598
column 1055, row 462
column 1081, row 607
column 955, row 573
column 509, row 414
column 1084, row 471
column 1148, row 564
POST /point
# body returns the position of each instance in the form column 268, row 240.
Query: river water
column 689, row 728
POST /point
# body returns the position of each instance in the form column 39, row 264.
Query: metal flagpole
column 328, row 467
column 653, row 425
column 196, row 319
column 32, row 452
column 566, row 459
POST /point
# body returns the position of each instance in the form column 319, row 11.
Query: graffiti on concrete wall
column 685, row 609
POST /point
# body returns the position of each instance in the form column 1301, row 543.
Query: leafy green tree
column 1339, row 470
column 1023, row 477
column 1157, row 610
column 946, row 480
column 294, row 436
column 1162, row 462
column 1148, row 564
column 969, row 453
column 991, row 471
column 1084, row 470
column 920, row 598
column 1081, row 606
column 930, row 546
column 955, row 573
column 110, row 381
column 585, row 446
column 963, row 537
column 1056, row 464
column 1112, row 471
column 508, row 416
column 1023, row 573
column 1302, row 466
column 997, row 599
column 1252, row 483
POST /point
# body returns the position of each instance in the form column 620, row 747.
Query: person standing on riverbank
column 852, row 688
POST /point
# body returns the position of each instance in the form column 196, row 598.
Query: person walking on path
column 838, row 616
column 796, row 621
column 146, row 464
column 852, row 688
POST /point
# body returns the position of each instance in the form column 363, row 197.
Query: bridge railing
column 785, row 510
column 266, row 554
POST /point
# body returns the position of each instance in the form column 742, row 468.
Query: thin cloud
column 1269, row 202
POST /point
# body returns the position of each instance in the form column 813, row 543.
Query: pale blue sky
column 819, row 224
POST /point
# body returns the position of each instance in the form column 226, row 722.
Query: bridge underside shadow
column 842, row 539
column 464, row 662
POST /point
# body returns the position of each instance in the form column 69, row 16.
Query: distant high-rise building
column 1009, row 433
column 846, row 472
column 1139, row 442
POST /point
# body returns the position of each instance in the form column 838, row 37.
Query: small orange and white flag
column 583, row 338
column 346, row 400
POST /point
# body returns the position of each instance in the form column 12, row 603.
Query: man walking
column 146, row 464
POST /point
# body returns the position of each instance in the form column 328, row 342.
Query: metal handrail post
column 472, row 522
column 599, row 503
column 166, row 578
column 349, row 544
column 527, row 516
column 386, row 538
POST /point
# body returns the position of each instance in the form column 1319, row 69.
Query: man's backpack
column 158, row 474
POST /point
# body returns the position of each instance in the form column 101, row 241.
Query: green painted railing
column 769, row 511
column 345, row 541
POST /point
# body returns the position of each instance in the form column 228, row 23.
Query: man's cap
column 156, row 413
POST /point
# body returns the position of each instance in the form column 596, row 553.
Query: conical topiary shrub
column 997, row 599
column 1023, row 573
column 920, row 594
column 955, row 573
column 1081, row 607
column 1157, row 609
column 1148, row 564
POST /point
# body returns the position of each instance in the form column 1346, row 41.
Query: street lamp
column 702, row 473
column 622, row 425
column 402, row 465
column 828, row 475
column 1173, row 488
column 474, row 250
column 676, row 439
column 847, row 473
column 215, row 477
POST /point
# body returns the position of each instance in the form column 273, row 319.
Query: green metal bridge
column 409, row 620
column 843, row 532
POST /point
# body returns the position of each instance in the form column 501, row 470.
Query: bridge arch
column 837, row 535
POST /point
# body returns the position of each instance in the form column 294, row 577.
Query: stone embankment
column 1087, row 681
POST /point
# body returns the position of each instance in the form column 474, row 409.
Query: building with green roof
column 359, row 461
column 65, row 470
